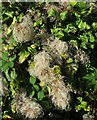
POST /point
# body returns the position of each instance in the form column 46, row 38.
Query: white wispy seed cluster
column 58, row 93
column 26, row 107
column 24, row 32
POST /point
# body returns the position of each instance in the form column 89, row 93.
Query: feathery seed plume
column 23, row 32
column 25, row 107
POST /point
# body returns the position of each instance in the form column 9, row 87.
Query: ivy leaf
column 63, row 15
column 32, row 80
column 91, row 38
column 10, row 64
column 5, row 56
column 4, row 67
column 2, row 62
column 40, row 95
column 73, row 3
column 84, row 104
column 58, row 32
column 83, row 25
column 23, row 56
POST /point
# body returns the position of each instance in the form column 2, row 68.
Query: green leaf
column 70, row 28
column 80, row 25
column 83, row 25
column 78, row 107
column 36, row 87
column 45, row 104
column 83, row 104
column 58, row 32
column 63, row 15
column 32, row 49
column 32, row 93
column 12, row 58
column 73, row 2
column 9, row 14
column 94, row 25
column 12, row 40
column 92, row 39
column 81, row 5
column 96, row 35
column 5, row 56
column 13, row 74
column 40, row 95
column 56, row 69
column 32, row 80
column 83, row 45
column 10, row 64
column 80, row 99
column 23, row 56
column 92, row 46
column 52, row 13
column 89, row 77
column 3, row 39
column 2, row 62
column 9, row 30
column 70, row 60
column 37, row 23
column 4, row 67
column 77, row 15
column 85, row 40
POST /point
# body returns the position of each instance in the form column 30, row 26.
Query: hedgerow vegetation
column 49, row 60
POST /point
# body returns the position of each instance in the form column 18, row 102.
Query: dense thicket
column 49, row 56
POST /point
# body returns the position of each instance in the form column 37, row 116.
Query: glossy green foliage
column 75, row 22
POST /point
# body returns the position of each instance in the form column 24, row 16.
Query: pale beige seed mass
column 24, row 32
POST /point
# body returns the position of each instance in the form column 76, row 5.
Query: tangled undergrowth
column 49, row 57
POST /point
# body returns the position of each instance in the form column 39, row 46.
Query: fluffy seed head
column 59, row 94
column 56, row 49
column 41, row 65
column 60, row 46
column 81, row 56
column 25, row 107
column 23, row 32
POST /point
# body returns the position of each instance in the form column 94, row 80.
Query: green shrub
column 68, row 35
